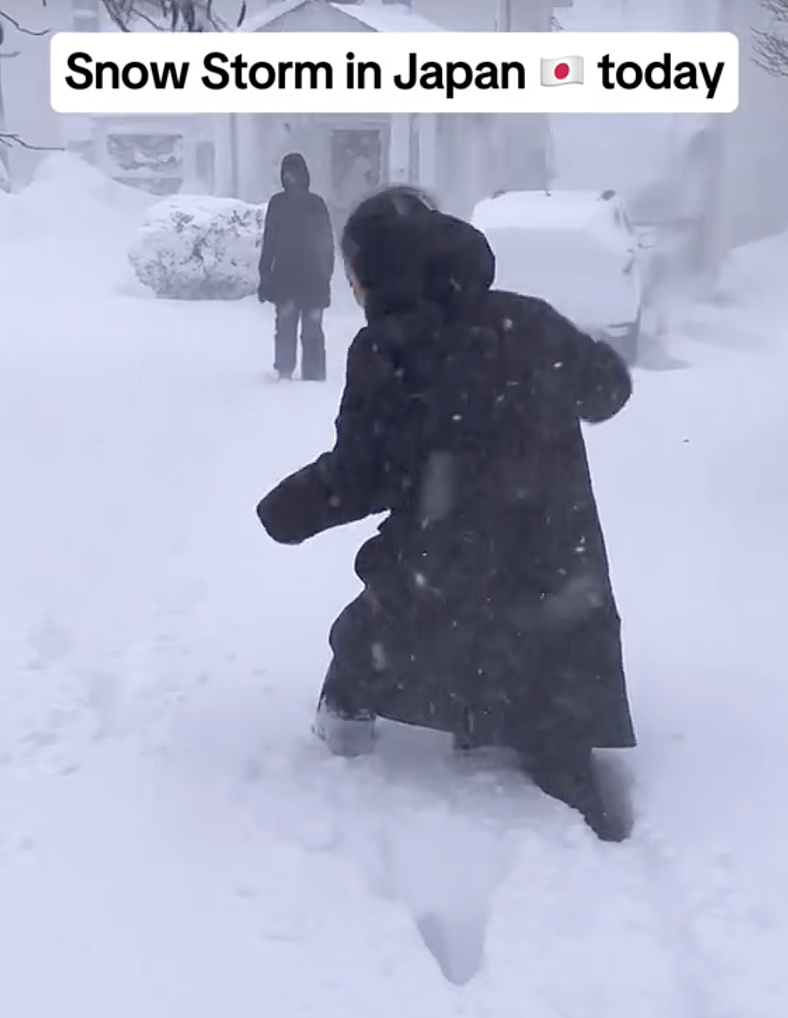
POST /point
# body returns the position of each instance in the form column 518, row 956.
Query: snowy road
column 171, row 840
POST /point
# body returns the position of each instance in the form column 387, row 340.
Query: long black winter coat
column 487, row 603
column 297, row 255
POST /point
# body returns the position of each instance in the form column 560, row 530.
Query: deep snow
column 173, row 842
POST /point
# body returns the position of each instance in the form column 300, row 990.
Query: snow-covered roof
column 372, row 14
column 387, row 17
column 275, row 10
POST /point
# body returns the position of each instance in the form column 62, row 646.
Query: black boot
column 572, row 775
column 346, row 728
column 348, row 737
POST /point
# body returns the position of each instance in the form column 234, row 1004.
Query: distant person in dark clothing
column 296, row 266
column 487, row 610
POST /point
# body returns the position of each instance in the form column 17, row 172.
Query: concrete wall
column 754, row 168
column 746, row 175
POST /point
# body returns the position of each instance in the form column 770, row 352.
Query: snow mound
column 755, row 273
column 193, row 247
column 68, row 196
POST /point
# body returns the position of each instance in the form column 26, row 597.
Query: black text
column 223, row 71
column 686, row 75
column 89, row 73
column 457, row 75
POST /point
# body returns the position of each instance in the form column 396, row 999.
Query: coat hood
column 404, row 261
column 294, row 172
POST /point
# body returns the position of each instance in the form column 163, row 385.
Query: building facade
column 460, row 158
column 25, row 108
column 731, row 171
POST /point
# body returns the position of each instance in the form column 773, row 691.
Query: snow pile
column 68, row 196
column 746, row 307
column 754, row 275
column 199, row 248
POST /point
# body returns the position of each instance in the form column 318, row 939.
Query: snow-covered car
column 576, row 249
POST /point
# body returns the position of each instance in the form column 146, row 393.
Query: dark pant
column 313, row 344
column 338, row 695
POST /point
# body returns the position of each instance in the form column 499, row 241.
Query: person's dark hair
column 403, row 251
column 402, row 201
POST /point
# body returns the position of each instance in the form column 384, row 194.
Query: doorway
column 358, row 168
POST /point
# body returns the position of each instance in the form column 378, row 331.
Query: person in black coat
column 296, row 266
column 487, row 608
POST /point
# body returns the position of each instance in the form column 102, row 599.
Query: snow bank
column 745, row 309
column 199, row 248
column 755, row 274
column 68, row 196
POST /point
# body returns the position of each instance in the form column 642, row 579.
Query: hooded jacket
column 297, row 253
column 487, row 587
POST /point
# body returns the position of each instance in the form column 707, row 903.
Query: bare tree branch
column 771, row 45
column 10, row 138
column 162, row 15
column 778, row 10
column 21, row 28
column 771, row 53
column 170, row 15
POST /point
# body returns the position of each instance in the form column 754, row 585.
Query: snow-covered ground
column 173, row 842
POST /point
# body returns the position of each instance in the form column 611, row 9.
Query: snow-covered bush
column 199, row 248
